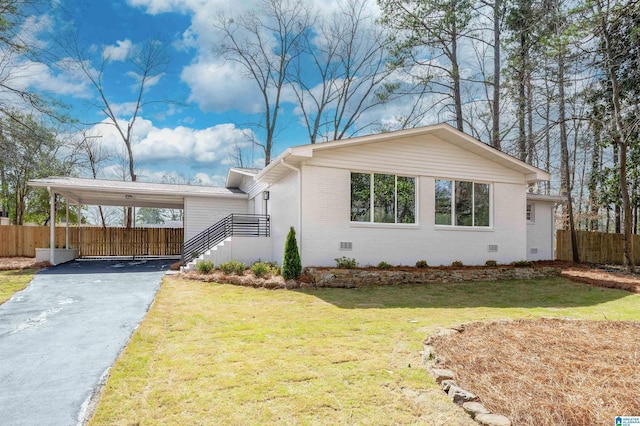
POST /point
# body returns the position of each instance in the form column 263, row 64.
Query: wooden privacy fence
column 93, row 241
column 595, row 247
column 23, row 240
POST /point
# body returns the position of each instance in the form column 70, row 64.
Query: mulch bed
column 548, row 371
column 602, row 277
column 13, row 263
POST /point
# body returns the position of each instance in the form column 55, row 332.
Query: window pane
column 406, row 199
column 360, row 197
column 443, row 202
column 481, row 204
column 384, row 198
column 464, row 203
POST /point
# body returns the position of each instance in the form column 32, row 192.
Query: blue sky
column 214, row 103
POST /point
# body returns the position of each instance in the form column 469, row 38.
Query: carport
column 98, row 192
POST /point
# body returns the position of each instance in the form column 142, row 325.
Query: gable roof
column 294, row 156
column 235, row 175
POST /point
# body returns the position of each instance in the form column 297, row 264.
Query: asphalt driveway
column 60, row 335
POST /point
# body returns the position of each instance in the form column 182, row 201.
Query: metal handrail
column 244, row 225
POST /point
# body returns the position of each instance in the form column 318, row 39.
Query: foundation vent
column 492, row 248
column 534, row 251
column 346, row 245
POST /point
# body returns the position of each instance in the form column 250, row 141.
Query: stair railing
column 243, row 225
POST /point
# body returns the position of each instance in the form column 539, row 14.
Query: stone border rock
column 446, row 379
column 354, row 278
column 313, row 277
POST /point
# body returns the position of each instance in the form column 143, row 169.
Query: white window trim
column 371, row 223
column 532, row 219
column 453, row 227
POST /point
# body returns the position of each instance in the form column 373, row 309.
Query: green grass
column 221, row 354
column 14, row 281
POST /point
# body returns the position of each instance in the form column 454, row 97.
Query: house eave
column 543, row 197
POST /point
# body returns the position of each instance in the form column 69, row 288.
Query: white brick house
column 430, row 193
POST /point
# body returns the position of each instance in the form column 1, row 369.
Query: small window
column 531, row 213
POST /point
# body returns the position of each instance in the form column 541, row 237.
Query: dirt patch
column 11, row 263
column 548, row 371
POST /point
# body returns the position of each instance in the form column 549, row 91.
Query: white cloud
column 221, row 87
column 118, row 52
column 25, row 74
column 123, row 109
column 209, row 180
column 176, row 148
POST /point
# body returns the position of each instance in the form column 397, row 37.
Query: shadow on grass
column 543, row 293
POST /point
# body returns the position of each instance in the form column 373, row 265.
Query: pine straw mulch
column 247, row 279
column 602, row 278
column 14, row 263
column 548, row 371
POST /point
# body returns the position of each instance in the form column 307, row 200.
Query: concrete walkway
column 61, row 334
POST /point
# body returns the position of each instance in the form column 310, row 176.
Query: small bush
column 490, row 263
column 233, row 267
column 346, row 262
column 457, row 263
column 384, row 265
column 291, row 263
column 260, row 269
column 422, row 264
column 522, row 263
column 205, row 266
column 275, row 269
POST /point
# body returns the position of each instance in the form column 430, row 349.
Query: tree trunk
column 495, row 131
column 457, row 95
column 593, row 184
column 564, row 153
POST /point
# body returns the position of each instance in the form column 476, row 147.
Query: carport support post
column 79, row 228
column 52, row 226
column 66, row 226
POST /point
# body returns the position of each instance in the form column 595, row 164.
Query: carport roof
column 130, row 194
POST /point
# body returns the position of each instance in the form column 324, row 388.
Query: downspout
column 299, row 201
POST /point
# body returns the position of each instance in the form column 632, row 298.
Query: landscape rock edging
column 446, row 379
column 354, row 278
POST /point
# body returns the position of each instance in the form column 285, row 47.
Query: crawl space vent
column 346, row 245
column 492, row 248
column 534, row 251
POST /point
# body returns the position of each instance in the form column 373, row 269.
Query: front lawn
column 221, row 354
column 14, row 281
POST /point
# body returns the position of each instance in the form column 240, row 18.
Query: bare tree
column 95, row 155
column 18, row 52
column 439, row 26
column 265, row 42
column 622, row 130
column 343, row 72
column 148, row 62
